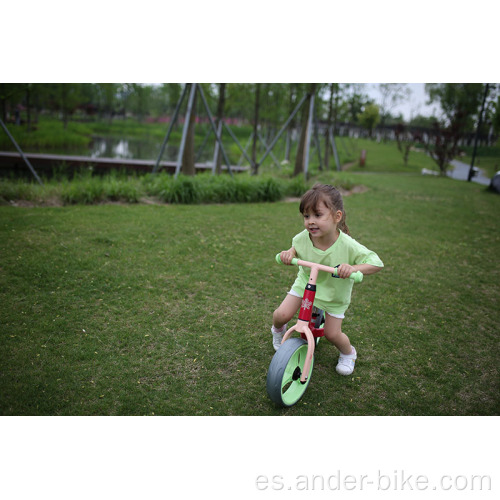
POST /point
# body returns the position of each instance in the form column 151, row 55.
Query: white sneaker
column 345, row 366
column 278, row 336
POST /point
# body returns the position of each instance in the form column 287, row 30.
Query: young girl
column 325, row 240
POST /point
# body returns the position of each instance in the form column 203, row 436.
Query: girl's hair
column 330, row 196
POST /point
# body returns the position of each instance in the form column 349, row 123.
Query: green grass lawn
column 165, row 309
column 386, row 157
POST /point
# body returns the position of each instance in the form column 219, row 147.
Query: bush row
column 202, row 188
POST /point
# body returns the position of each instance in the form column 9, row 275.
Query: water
column 141, row 149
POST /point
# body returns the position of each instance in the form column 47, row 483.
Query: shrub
column 86, row 188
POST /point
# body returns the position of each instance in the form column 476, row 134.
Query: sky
column 417, row 104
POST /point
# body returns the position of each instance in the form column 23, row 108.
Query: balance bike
column 290, row 370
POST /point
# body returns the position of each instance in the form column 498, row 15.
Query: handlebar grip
column 278, row 260
column 357, row 277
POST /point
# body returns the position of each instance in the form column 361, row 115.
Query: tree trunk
column 292, row 123
column 255, row 167
column 220, row 116
column 327, row 131
column 28, row 106
column 188, row 157
column 300, row 158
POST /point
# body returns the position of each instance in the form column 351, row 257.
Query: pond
column 145, row 148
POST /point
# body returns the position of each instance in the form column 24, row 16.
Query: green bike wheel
column 283, row 377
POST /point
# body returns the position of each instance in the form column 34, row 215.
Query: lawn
column 386, row 157
column 121, row 309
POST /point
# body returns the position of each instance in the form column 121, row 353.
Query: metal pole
column 471, row 170
column 192, row 93
column 316, row 140
column 216, row 150
column 238, row 143
column 308, row 137
column 170, row 127
column 278, row 135
column 215, row 130
column 348, row 153
column 202, row 147
column 287, row 145
column 334, row 148
column 20, row 151
column 246, row 147
column 270, row 152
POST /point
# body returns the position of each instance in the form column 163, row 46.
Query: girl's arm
column 345, row 270
column 286, row 256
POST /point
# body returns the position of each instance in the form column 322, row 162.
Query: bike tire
column 283, row 377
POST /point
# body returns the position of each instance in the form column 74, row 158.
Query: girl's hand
column 287, row 255
column 345, row 270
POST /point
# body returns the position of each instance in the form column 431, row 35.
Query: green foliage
column 459, row 101
column 206, row 188
column 297, row 186
column 48, row 134
column 370, row 117
column 11, row 189
column 86, row 189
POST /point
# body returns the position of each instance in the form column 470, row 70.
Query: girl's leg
column 286, row 311
column 334, row 334
column 348, row 355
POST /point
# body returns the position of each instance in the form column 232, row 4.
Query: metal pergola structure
column 194, row 87
column 20, row 151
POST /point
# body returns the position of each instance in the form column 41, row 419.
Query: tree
column 496, row 116
column 9, row 95
column 301, row 149
column 240, row 100
column 460, row 104
column 369, row 118
column 332, row 98
column 405, row 140
column 354, row 102
column 68, row 97
column 220, row 116
column 422, row 121
column 292, row 102
column 392, row 94
column 140, row 100
column 255, row 167
column 106, row 99
column 188, row 157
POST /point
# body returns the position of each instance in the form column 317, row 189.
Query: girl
column 325, row 240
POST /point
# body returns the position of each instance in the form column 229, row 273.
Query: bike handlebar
column 357, row 276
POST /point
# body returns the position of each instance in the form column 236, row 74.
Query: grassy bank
column 136, row 309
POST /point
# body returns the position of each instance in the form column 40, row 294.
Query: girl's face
column 321, row 221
